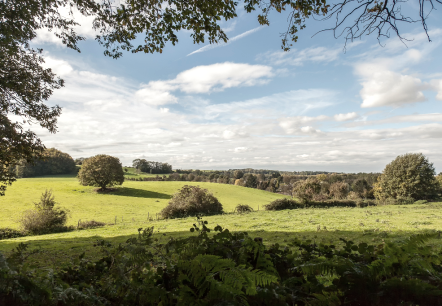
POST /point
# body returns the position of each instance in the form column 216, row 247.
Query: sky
column 247, row 103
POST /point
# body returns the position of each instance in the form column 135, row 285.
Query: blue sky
column 249, row 104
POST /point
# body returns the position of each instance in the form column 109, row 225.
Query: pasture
column 132, row 203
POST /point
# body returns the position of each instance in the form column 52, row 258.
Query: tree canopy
column 101, row 171
column 408, row 176
column 25, row 85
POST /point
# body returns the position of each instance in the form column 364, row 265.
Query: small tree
column 408, row 176
column 306, row 190
column 339, row 190
column 102, row 171
column 45, row 217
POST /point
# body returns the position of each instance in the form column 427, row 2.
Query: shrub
column 45, row 217
column 421, row 202
column 408, row 176
column 9, row 233
column 102, row 171
column 219, row 267
column 281, row 204
column 339, row 190
column 90, row 224
column 192, row 201
column 241, row 208
column 306, row 190
column 353, row 196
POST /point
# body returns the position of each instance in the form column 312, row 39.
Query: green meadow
column 126, row 209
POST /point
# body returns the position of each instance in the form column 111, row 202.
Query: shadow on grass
column 55, row 253
column 140, row 193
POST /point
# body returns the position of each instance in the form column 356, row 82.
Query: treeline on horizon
column 55, row 162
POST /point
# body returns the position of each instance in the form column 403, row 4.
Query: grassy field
column 131, row 173
column 132, row 203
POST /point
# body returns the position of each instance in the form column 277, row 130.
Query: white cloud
column 437, row 86
column 222, row 44
column 204, row 79
column 387, row 88
column 292, row 125
column 59, row 67
column 85, row 27
column 346, row 117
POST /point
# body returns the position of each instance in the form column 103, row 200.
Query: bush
column 45, row 218
column 306, row 190
column 281, row 204
column 408, row 176
column 241, row 208
column 421, row 202
column 90, row 224
column 192, row 201
column 339, row 190
column 101, row 171
column 219, row 267
column 9, row 233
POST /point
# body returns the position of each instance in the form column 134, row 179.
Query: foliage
column 224, row 268
column 101, row 171
column 238, row 174
column 250, row 181
column 45, row 217
column 9, row 233
column 339, row 190
column 408, row 176
column 306, row 190
column 243, row 208
column 281, row 204
column 90, row 224
column 151, row 166
column 51, row 162
column 191, row 201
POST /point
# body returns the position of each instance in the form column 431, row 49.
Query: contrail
column 212, row 46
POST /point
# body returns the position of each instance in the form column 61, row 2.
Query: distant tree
column 339, row 190
column 408, row 176
column 361, row 187
column 439, row 180
column 102, row 171
column 250, row 181
column 79, row 161
column 52, row 161
column 238, row 174
column 306, row 190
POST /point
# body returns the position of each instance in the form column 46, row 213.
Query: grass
column 131, row 173
column 132, row 202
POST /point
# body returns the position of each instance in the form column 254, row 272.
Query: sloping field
column 132, row 203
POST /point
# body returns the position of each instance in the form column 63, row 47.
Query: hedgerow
column 225, row 268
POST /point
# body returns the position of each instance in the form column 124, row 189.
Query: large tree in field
column 25, row 85
column 409, row 175
column 101, row 171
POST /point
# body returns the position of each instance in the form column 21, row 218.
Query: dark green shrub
column 421, row 202
column 90, row 224
column 45, row 217
column 241, row 208
column 9, row 233
column 192, row 201
column 281, row 204
column 224, row 268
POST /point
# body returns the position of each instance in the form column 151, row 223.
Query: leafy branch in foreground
column 217, row 267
